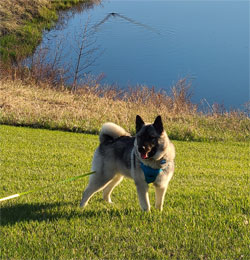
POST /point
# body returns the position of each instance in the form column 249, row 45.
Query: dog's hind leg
column 96, row 184
column 109, row 188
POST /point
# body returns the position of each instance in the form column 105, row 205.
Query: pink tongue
column 143, row 156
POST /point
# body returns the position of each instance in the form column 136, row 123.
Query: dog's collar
column 151, row 173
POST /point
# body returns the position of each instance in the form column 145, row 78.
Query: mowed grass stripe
column 206, row 213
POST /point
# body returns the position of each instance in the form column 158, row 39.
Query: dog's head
column 151, row 139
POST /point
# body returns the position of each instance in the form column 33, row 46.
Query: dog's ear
column 139, row 123
column 158, row 125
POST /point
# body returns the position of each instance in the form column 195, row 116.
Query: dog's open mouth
column 144, row 155
column 148, row 153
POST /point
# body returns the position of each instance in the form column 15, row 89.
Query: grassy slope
column 85, row 111
column 206, row 214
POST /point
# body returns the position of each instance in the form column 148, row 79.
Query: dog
column 147, row 157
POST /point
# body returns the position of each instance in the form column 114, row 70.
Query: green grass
column 17, row 45
column 206, row 212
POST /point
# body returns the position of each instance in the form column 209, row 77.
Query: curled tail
column 111, row 131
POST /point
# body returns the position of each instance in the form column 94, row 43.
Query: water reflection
column 126, row 19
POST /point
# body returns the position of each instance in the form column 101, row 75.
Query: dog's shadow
column 13, row 214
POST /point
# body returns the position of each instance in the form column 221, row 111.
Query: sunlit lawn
column 206, row 212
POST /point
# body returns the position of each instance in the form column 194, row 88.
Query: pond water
column 156, row 43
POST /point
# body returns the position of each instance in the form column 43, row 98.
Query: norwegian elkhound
column 146, row 158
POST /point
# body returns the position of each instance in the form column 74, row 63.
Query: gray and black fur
column 120, row 154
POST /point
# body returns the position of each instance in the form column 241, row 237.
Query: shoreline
column 22, row 25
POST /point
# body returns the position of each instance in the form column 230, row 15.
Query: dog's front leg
column 159, row 197
column 142, row 191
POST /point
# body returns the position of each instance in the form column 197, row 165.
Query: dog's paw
column 83, row 205
column 109, row 201
column 145, row 209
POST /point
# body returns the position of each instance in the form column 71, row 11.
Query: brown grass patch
column 88, row 108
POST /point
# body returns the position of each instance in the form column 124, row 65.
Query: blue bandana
column 150, row 173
